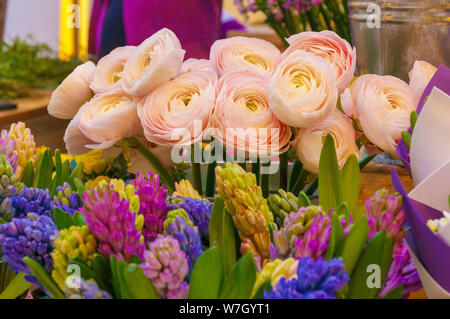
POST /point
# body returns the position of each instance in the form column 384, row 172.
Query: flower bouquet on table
column 427, row 205
column 92, row 225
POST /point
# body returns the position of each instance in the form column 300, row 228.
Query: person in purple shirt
column 114, row 23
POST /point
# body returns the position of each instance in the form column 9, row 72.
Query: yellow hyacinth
column 184, row 188
column 275, row 270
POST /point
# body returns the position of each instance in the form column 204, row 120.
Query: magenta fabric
column 98, row 15
column 196, row 23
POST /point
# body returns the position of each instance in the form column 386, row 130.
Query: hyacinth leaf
column 330, row 181
column 216, row 221
column 58, row 168
column 406, row 137
column 78, row 219
column 115, row 276
column 37, row 165
column 240, row 282
column 16, row 287
column 100, row 267
column 344, row 211
column 413, row 119
column 336, row 238
column 354, row 244
column 351, row 183
column 386, row 260
column 44, row 177
column 79, row 185
column 295, row 173
column 396, row 293
column 76, row 173
column 303, row 200
column 359, row 211
column 204, row 283
column 44, row 278
column 65, row 170
column 137, row 284
column 87, row 273
column 62, row 219
column 265, row 286
column 227, row 242
column 360, row 279
column 28, row 175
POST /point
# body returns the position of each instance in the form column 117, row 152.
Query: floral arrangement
column 116, row 218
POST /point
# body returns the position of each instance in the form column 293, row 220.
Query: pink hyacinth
column 153, row 206
column 384, row 213
column 112, row 223
column 166, row 266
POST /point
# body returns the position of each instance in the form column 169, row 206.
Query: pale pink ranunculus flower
column 244, row 54
column 73, row 92
column 243, row 120
column 155, row 61
column 179, row 111
column 327, row 44
column 108, row 75
column 347, row 103
column 193, row 64
column 419, row 76
column 309, row 141
column 102, row 122
column 383, row 106
column 302, row 91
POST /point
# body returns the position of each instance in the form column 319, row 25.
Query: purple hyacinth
column 315, row 280
column 188, row 239
column 402, row 272
column 112, row 223
column 198, row 210
column 87, row 290
column 66, row 199
column 315, row 240
column 153, row 206
column 32, row 235
column 166, row 266
column 7, row 148
column 30, row 200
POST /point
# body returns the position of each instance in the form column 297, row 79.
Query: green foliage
column 239, row 284
column 16, row 287
column 351, row 184
column 25, row 64
column 44, row 278
column 354, row 244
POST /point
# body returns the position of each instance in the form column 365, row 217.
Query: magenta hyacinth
column 384, row 212
column 153, row 206
column 112, row 223
column 315, row 241
column 166, row 266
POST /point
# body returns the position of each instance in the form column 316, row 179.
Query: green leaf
column 406, row 137
column 78, row 219
column 115, row 277
column 205, row 283
column 215, row 222
column 295, row 173
column 58, row 168
column 45, row 171
column 265, row 286
column 330, row 181
column 343, row 211
column 37, row 166
column 62, row 219
column 413, row 119
column 101, row 268
column 28, row 175
column 87, row 273
column 76, row 173
column 16, row 287
column 354, row 244
column 79, row 185
column 372, row 255
column 137, row 284
column 239, row 283
column 336, row 238
column 351, row 184
column 65, row 171
column 396, row 293
column 44, row 278
column 227, row 243
column 303, row 200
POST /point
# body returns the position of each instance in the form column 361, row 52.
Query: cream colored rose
column 308, row 142
column 383, row 105
column 179, row 111
column 328, row 45
column 102, row 122
column 302, row 90
column 155, row 61
column 108, row 75
column 419, row 76
column 243, row 120
column 73, row 92
column 242, row 53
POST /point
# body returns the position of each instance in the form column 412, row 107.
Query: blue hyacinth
column 315, row 280
column 87, row 290
column 30, row 200
column 199, row 211
column 66, row 199
column 188, row 239
column 32, row 236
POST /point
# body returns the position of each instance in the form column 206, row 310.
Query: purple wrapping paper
column 432, row 252
column 441, row 80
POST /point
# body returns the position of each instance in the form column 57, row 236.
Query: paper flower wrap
column 302, row 91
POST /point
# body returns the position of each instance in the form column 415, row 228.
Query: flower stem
column 256, row 170
column 196, row 173
column 211, row 179
column 300, row 183
column 283, row 170
column 265, row 183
